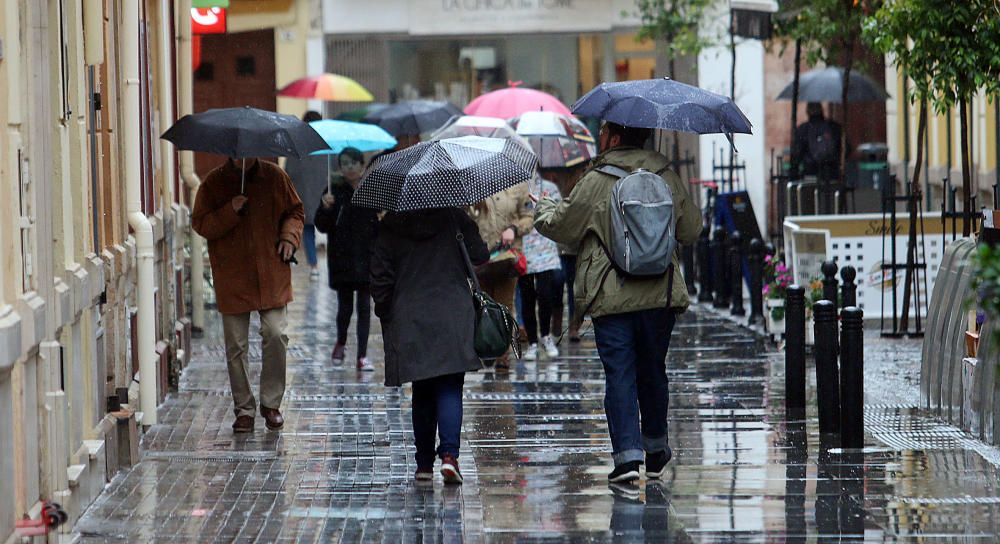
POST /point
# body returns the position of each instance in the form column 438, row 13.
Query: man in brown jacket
column 251, row 237
column 503, row 220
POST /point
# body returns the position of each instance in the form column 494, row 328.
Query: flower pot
column 774, row 326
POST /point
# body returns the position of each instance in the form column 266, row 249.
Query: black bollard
column 736, row 273
column 704, row 268
column 852, row 382
column 827, row 374
column 795, row 352
column 719, row 268
column 848, row 289
column 756, row 262
column 830, row 286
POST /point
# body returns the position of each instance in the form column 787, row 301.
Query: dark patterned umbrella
column 413, row 118
column 663, row 103
column 444, row 173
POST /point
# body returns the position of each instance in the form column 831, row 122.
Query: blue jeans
column 309, row 242
column 633, row 349
column 437, row 407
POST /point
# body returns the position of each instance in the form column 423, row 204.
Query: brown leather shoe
column 272, row 418
column 243, row 424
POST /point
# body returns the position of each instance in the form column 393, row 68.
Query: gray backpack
column 643, row 226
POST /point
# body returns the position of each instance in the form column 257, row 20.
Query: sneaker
column 314, row 275
column 339, row 350
column 365, row 365
column 531, row 353
column 449, row 470
column 656, row 463
column 549, row 343
column 424, row 474
column 625, row 472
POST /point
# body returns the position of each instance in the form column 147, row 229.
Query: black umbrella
column 444, row 173
column 827, row 85
column 244, row 132
column 413, row 118
column 663, row 103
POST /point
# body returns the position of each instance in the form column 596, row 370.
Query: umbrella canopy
column 663, row 103
column 473, row 125
column 244, row 132
column 329, row 87
column 358, row 114
column 414, row 117
column 342, row 134
column 559, row 141
column 827, row 85
column 445, row 173
column 513, row 101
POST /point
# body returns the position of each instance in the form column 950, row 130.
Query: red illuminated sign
column 208, row 20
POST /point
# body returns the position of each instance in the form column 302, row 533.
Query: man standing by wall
column 633, row 317
column 251, row 236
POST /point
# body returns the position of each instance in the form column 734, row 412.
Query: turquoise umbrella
column 340, row 135
column 343, row 134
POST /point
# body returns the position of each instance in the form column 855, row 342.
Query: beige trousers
column 236, row 328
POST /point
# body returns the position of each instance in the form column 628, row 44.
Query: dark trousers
column 345, row 307
column 537, row 290
column 437, row 409
column 566, row 279
column 633, row 349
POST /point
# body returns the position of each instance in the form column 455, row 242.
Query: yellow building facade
column 941, row 145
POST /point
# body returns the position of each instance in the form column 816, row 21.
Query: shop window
column 205, row 72
column 246, row 66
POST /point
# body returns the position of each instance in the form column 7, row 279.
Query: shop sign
column 436, row 17
column 208, row 20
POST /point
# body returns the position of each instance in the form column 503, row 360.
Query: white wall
column 714, row 68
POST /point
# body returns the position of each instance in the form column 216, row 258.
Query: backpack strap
column 612, row 170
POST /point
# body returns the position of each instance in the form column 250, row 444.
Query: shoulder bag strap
column 470, row 271
column 612, row 170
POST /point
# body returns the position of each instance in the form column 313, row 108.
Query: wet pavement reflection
column 535, row 457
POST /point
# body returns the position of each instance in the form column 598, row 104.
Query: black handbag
column 496, row 329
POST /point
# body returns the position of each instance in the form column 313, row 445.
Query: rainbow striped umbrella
column 329, row 87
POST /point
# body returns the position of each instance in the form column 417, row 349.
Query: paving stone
column 535, row 455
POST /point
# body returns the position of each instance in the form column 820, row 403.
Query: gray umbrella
column 413, row 118
column 827, row 84
column 444, row 173
column 663, row 103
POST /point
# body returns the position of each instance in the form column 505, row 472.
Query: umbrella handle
column 243, row 174
column 329, row 184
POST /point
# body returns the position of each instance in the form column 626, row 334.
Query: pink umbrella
column 513, row 101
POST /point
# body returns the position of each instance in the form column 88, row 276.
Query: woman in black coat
column 350, row 236
column 422, row 295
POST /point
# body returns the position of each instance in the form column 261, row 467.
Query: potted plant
column 774, row 292
column 814, row 295
column 986, row 290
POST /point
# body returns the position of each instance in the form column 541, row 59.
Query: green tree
column 950, row 50
column 675, row 23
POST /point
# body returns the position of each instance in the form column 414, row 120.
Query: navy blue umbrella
column 663, row 103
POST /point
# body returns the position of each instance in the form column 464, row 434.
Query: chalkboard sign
column 734, row 211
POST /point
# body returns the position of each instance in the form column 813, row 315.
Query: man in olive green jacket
column 633, row 317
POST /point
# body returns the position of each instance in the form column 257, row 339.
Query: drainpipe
column 166, row 104
column 140, row 224
column 185, row 106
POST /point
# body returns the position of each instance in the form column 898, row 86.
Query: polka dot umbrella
column 445, row 173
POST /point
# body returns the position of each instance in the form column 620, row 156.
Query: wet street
column 535, row 456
